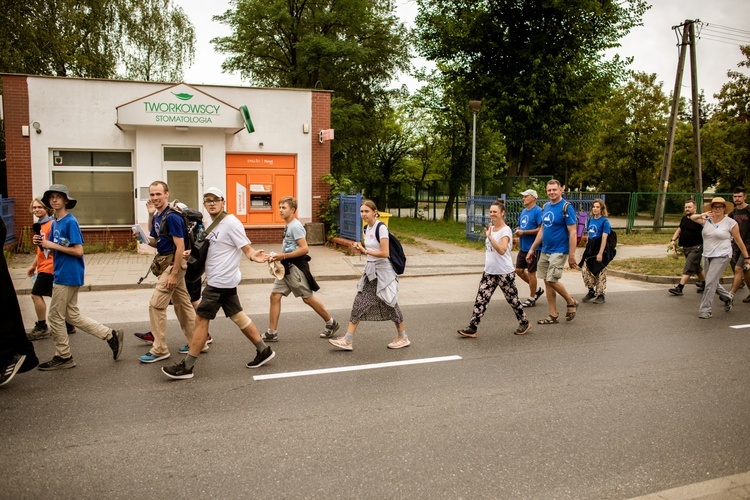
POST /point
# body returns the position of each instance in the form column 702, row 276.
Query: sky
column 653, row 45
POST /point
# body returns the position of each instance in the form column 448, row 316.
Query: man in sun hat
column 529, row 223
column 741, row 215
column 66, row 241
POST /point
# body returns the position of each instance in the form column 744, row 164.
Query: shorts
column 194, row 290
column 693, row 257
column 214, row 298
column 551, row 266
column 294, row 282
column 43, row 285
column 737, row 259
column 530, row 266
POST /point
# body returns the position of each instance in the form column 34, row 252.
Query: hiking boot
column 330, row 330
column 115, row 343
column 590, row 295
column 57, row 363
column 676, row 290
column 598, row 300
column 10, row 371
column 147, row 337
column 177, row 371
column 261, row 358
column 270, row 337
column 469, row 331
column 700, row 285
column 186, row 348
column 38, row 332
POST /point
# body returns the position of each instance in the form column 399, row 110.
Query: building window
column 101, row 181
column 176, row 153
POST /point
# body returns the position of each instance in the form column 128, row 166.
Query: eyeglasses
column 717, row 207
column 213, row 202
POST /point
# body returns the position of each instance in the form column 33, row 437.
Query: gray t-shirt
column 292, row 232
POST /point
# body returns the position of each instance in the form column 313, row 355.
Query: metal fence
column 350, row 223
column 8, row 211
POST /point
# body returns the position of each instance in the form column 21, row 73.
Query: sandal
column 571, row 314
column 746, row 299
column 522, row 329
column 530, row 302
column 548, row 320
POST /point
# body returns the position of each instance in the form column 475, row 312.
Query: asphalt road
column 632, row 397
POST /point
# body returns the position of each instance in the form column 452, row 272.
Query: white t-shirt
column 225, row 252
column 494, row 262
column 717, row 238
column 372, row 242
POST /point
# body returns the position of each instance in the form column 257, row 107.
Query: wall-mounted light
column 37, row 127
column 181, row 128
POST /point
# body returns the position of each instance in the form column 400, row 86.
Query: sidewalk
column 122, row 270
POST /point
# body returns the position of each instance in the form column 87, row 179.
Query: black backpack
column 395, row 250
column 193, row 220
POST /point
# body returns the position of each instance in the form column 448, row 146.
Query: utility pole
column 688, row 38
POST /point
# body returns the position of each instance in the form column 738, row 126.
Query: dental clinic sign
column 180, row 105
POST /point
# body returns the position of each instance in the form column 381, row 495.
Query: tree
column 535, row 63
column 158, row 40
column 352, row 47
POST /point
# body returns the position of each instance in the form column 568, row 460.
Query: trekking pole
column 144, row 276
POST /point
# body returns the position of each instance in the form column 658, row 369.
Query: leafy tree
column 158, row 40
column 352, row 47
column 535, row 63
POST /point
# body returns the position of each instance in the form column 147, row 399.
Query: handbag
column 196, row 261
column 160, row 263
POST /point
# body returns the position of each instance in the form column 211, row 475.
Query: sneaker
column 469, row 331
column 589, row 296
column 676, row 290
column 71, row 329
column 705, row 315
column 38, row 332
column 342, row 344
column 147, row 337
column 330, row 330
column 209, row 339
column 399, row 343
column 186, row 348
column 598, row 300
column 115, row 343
column 728, row 302
column 152, row 358
column 523, row 329
column 10, row 371
column 261, row 358
column 539, row 293
column 177, row 371
column 57, row 363
column 270, row 337
column 700, row 285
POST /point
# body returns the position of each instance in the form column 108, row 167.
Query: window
column 173, row 153
column 101, row 181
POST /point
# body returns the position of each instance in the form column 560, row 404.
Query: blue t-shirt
column 529, row 219
column 69, row 269
column 555, row 236
column 598, row 227
column 175, row 227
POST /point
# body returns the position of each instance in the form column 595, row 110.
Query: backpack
column 395, row 251
column 193, row 220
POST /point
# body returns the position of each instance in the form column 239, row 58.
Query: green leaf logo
column 183, row 97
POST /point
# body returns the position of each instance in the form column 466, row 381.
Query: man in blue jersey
column 529, row 223
column 557, row 240
column 66, row 241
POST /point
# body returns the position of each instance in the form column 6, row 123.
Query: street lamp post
column 474, row 107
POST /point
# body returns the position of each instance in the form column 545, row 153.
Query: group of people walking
column 711, row 240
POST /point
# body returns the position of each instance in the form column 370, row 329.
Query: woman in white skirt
column 377, row 290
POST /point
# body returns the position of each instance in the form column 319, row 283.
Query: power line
column 727, row 28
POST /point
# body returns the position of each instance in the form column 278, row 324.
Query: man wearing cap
column 67, row 243
column 741, row 215
column 297, row 278
column 557, row 240
column 529, row 223
column 227, row 243
column 168, row 233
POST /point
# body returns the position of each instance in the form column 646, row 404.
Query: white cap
column 214, row 191
column 530, row 192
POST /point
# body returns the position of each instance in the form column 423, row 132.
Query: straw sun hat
column 728, row 205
